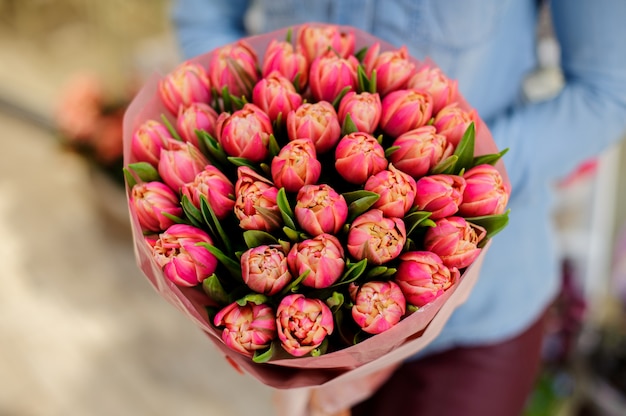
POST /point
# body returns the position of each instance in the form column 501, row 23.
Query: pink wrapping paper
column 338, row 379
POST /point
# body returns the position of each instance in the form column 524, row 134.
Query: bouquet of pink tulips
column 314, row 199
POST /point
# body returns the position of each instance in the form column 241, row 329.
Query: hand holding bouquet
column 311, row 203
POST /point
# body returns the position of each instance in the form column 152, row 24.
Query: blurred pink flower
column 378, row 306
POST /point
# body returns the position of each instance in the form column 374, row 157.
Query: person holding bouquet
column 485, row 360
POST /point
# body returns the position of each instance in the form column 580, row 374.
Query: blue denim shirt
column 489, row 47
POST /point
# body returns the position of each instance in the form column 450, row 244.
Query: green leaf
column 130, row 179
column 489, row 159
column 360, row 54
column 361, row 205
column 291, row 234
column 294, row 284
column 415, row 219
column 214, row 223
column 339, row 96
column 445, row 166
column 363, row 81
column 360, row 336
column 256, row 298
column 465, row 149
column 242, row 161
column 493, row 224
column 274, row 148
column 255, row 238
column 171, row 128
column 376, row 272
column 214, row 289
column 321, row 350
column 193, row 213
column 226, row 103
column 353, row 272
column 335, row 301
column 289, row 35
column 233, row 267
column 411, row 308
column 285, row 209
column 390, row 150
column 261, row 357
column 372, row 88
column 177, row 220
column 212, row 149
column 348, row 126
column 143, row 172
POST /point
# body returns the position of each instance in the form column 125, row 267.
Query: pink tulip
column 452, row 122
column 423, row 277
column 315, row 121
column 365, row 110
column 245, row 133
column 255, row 203
column 320, row 209
column 440, row 195
column 396, row 190
column 276, row 95
column 330, row 74
column 486, row 192
column 188, row 83
column 321, row 256
column 180, row 164
column 302, row 324
column 247, row 328
column 182, row 260
column 313, row 41
column 378, row 306
column 433, row 81
column 280, row 56
column 455, row 241
column 150, row 201
column 358, row 156
column 376, row 238
column 198, row 116
column 296, row 165
column 264, row 269
column 419, row 150
column 234, row 66
column 148, row 140
column 405, row 110
column 215, row 187
column 393, row 68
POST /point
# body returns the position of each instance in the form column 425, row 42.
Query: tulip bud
column 440, row 195
column 198, row 116
column 264, row 269
column 276, row 95
column 455, row 241
column 330, row 74
column 358, row 156
column 321, row 256
column 486, row 192
column 317, row 122
column 313, row 41
column 378, row 306
column 148, row 140
column 452, row 122
column 396, row 190
column 433, row 81
column 182, row 260
column 187, row 84
column 280, row 56
column 320, row 209
column 215, row 187
column 253, row 192
column 245, row 133
column 180, row 164
column 423, row 277
column 393, row 68
column 296, row 165
column 364, row 109
column 405, row 110
column 150, row 201
column 234, row 66
column 419, row 150
column 247, row 328
column 302, row 324
column 376, row 238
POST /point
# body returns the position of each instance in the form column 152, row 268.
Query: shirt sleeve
column 202, row 25
column 549, row 139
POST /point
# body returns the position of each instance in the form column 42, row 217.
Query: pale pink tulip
column 452, row 121
column 365, row 110
column 440, row 195
column 432, row 80
column 197, row 116
column 302, row 324
column 358, row 156
column 234, row 66
column 378, row 306
column 419, row 150
column 396, row 190
column 316, row 40
column 264, row 269
column 317, row 122
column 148, row 140
column 376, row 238
column 405, row 110
column 296, row 165
column 248, row 328
column 393, row 68
column 252, row 192
column 280, row 56
column 182, row 260
column 320, row 209
column 188, row 83
column 322, row 256
column 180, row 164
column 215, row 187
column 455, row 241
column 486, row 192
column 330, row 74
column 150, row 201
column 423, row 277
column 245, row 133
column 276, row 96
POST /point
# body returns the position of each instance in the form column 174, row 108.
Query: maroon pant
column 493, row 380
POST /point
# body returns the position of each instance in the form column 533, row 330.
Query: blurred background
column 81, row 330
